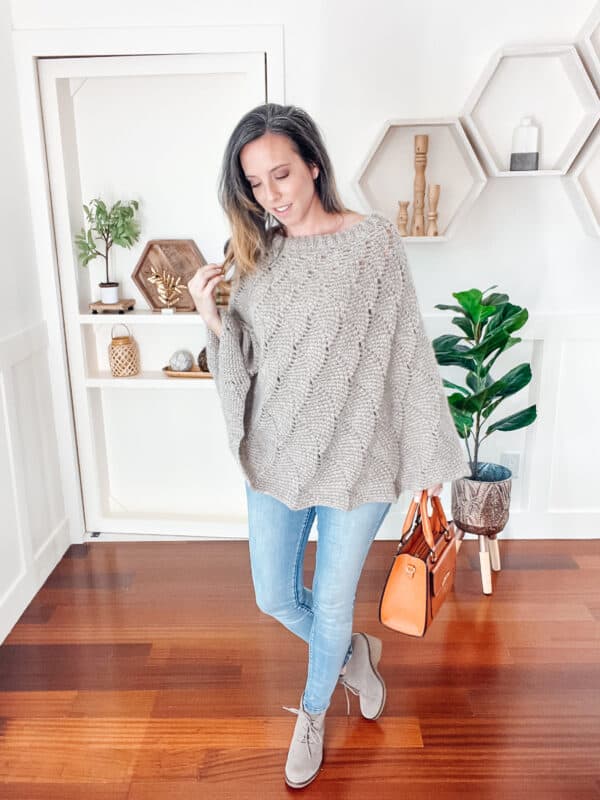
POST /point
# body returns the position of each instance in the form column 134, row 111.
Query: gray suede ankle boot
column 361, row 675
column 306, row 748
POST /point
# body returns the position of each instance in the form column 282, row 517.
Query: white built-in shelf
column 423, row 239
column 583, row 183
column 589, row 45
column 142, row 317
column 548, row 83
column 148, row 380
column 153, row 460
column 387, row 173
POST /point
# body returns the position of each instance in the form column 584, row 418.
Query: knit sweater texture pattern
column 329, row 385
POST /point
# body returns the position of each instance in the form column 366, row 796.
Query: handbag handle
column 437, row 504
column 437, row 508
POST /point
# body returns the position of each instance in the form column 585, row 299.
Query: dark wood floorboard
column 145, row 670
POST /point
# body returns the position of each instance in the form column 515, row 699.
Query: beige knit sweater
column 329, row 386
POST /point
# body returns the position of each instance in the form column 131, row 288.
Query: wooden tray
column 194, row 372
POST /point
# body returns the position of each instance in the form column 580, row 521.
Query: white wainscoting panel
column 35, row 530
column 575, row 440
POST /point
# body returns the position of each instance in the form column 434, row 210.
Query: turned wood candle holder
column 402, row 217
column 433, row 197
column 418, row 220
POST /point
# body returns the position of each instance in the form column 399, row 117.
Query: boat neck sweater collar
column 326, row 242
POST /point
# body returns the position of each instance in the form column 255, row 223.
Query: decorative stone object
column 181, row 361
column 202, row 361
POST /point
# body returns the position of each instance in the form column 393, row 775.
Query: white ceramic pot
column 109, row 292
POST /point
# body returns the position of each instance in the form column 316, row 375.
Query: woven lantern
column 123, row 355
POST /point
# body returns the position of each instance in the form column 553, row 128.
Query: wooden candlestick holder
column 433, row 197
column 418, row 219
column 402, row 217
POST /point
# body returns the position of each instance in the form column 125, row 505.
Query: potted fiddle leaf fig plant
column 116, row 225
column 480, row 502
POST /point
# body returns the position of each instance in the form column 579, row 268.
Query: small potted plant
column 480, row 502
column 114, row 226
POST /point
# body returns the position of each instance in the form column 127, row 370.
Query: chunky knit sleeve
column 232, row 361
column 430, row 447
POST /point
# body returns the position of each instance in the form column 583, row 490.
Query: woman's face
column 279, row 178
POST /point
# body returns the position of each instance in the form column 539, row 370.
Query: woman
column 331, row 393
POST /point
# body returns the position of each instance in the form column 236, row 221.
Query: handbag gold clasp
column 410, row 568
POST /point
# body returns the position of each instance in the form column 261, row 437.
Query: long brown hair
column 252, row 227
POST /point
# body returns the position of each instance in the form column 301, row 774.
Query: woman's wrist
column 216, row 325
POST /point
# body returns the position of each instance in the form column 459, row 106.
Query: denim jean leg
column 277, row 543
column 344, row 539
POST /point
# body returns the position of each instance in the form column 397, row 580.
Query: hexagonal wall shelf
column 387, row 173
column 549, row 84
column 177, row 257
column 583, row 183
column 589, row 45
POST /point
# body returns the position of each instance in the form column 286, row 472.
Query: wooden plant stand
column 120, row 307
column 489, row 555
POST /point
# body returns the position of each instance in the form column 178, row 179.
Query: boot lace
column 353, row 689
column 310, row 729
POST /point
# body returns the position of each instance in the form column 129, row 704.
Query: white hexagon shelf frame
column 451, row 162
column 546, row 82
column 583, row 183
column 589, row 45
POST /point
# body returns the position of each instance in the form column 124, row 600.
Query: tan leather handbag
column 422, row 572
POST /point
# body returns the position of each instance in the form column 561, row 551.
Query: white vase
column 109, row 292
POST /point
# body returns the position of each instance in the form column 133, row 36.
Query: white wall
column 33, row 529
column 353, row 64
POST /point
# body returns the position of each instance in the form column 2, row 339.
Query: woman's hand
column 201, row 288
column 437, row 490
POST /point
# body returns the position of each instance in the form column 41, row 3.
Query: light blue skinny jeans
column 322, row 616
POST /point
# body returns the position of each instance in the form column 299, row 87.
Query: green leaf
column 475, row 310
column 488, row 344
column 495, row 299
column 510, row 318
column 477, row 383
column 444, row 307
column 514, row 380
column 465, row 325
column 518, row 420
column 463, row 422
column 447, row 342
column 486, row 392
column 458, row 356
column 489, row 288
column 450, row 385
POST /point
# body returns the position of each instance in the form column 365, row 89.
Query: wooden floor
column 145, row 670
